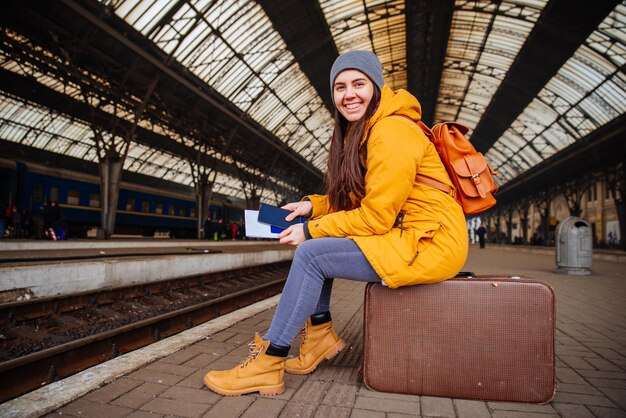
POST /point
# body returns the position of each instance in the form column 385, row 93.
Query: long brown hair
column 347, row 159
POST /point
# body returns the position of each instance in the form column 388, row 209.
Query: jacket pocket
column 422, row 238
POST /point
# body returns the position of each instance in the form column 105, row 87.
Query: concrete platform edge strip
column 29, row 245
column 57, row 394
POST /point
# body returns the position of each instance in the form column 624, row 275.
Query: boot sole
column 263, row 390
column 332, row 352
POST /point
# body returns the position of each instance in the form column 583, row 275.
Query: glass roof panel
column 588, row 91
column 376, row 26
column 485, row 38
column 30, row 124
column 233, row 47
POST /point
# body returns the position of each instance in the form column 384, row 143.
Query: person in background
column 375, row 223
column 233, row 231
column 3, row 218
column 481, row 231
column 206, row 226
column 16, row 223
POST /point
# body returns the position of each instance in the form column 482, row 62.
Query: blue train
column 146, row 206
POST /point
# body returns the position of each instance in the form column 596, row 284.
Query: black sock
column 277, row 350
column 320, row 318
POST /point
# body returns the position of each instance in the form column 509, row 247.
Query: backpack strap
column 435, row 184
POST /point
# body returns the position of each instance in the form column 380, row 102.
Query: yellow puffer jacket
column 431, row 243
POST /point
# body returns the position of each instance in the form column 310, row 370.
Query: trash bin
column 573, row 247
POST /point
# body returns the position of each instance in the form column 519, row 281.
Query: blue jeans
column 310, row 282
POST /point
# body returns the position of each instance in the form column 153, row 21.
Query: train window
column 159, row 208
column 54, row 194
column 94, row 200
column 145, row 206
column 171, row 210
column 130, row 204
column 192, row 212
column 37, row 195
column 73, row 197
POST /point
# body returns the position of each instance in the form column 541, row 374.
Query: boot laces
column 305, row 335
column 254, row 350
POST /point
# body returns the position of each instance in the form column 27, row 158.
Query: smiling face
column 352, row 93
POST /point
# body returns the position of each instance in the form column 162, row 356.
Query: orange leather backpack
column 470, row 173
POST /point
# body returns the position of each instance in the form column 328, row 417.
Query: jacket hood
column 399, row 102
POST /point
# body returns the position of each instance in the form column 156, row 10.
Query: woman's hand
column 293, row 235
column 302, row 208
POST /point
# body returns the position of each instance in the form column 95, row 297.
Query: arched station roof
column 241, row 86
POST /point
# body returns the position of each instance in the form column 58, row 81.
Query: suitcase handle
column 466, row 275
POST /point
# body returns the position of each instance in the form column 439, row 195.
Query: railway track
column 44, row 340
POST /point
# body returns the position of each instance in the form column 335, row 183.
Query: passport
column 275, row 216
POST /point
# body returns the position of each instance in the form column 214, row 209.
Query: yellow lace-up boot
column 259, row 372
column 319, row 342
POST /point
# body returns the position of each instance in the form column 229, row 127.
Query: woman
column 375, row 223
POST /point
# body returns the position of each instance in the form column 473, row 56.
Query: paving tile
column 609, row 353
column 325, row 411
column 140, row 395
column 229, row 406
column 387, row 405
column 363, row 391
column 264, row 407
column 183, row 355
column 607, row 383
column 175, row 369
column 193, row 381
column 362, row 413
column 568, row 375
column 578, row 388
column 437, row 407
column 341, row 394
column 241, row 338
column 522, row 407
column 616, row 395
column 191, row 394
column 176, row 407
column 312, row 391
column 575, row 362
column 154, row 376
column 603, row 364
column 222, row 336
column 583, row 399
column 336, row 374
column 202, row 360
column 144, row 414
column 113, row 390
column 603, row 412
column 572, row 410
column 85, row 408
column 470, row 409
column 603, row 374
column 298, row 409
column 518, row 414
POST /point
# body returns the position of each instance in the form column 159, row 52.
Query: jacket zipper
column 400, row 220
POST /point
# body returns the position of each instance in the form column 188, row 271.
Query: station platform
column 165, row 379
column 34, row 269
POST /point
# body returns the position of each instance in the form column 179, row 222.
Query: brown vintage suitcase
column 488, row 338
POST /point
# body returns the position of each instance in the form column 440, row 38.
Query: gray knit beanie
column 365, row 61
